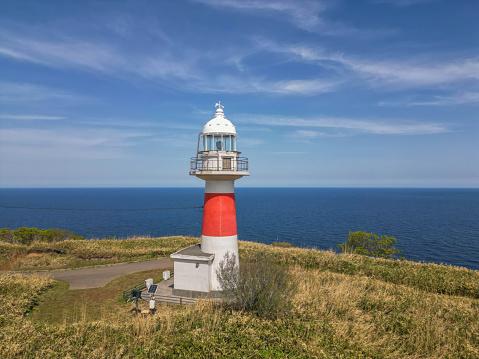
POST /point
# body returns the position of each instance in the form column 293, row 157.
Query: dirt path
column 95, row 277
column 11, row 262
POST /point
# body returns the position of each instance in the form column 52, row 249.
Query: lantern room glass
column 219, row 143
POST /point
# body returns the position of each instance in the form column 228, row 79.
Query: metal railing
column 239, row 164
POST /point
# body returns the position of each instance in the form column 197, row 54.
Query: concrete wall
column 219, row 246
column 192, row 275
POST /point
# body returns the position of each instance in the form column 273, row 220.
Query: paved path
column 95, row 277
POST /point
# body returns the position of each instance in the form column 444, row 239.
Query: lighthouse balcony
column 219, row 165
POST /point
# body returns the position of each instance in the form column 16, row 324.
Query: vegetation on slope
column 345, row 306
column 429, row 277
column 25, row 235
column 79, row 253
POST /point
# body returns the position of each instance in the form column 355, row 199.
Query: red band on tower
column 219, row 215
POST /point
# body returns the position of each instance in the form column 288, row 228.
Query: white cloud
column 415, row 73
column 302, row 13
column 33, row 137
column 288, row 153
column 62, row 52
column 308, row 133
column 310, row 87
column 28, row 143
column 110, row 58
column 177, row 70
column 379, row 127
column 402, row 3
column 29, row 117
column 461, row 98
column 15, row 93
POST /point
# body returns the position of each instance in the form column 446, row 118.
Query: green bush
column 370, row 244
column 258, row 285
column 25, row 235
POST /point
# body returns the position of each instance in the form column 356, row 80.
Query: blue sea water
column 431, row 225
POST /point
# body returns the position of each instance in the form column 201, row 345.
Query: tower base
column 195, row 294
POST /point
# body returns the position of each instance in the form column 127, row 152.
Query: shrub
column 370, row 244
column 25, row 235
column 6, row 235
column 258, row 286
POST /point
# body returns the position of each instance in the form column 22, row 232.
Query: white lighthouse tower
column 219, row 164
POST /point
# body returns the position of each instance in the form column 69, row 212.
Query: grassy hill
column 345, row 306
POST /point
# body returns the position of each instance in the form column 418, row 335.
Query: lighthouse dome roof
column 219, row 124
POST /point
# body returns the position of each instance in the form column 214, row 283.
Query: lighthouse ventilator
column 219, row 164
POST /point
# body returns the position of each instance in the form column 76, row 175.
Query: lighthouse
column 219, row 164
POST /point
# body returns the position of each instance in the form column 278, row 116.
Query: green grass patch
column 61, row 305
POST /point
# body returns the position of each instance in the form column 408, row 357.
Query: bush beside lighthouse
column 219, row 164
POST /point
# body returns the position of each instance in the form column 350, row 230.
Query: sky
column 370, row 93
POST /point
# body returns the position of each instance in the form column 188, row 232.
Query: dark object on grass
column 135, row 296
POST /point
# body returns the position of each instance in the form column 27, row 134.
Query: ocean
column 430, row 225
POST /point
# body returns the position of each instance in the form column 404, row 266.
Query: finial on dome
column 220, row 106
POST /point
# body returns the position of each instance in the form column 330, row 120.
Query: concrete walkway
column 96, row 277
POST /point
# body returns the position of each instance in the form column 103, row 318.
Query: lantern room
column 216, row 150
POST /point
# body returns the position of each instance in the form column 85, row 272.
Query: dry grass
column 380, row 318
column 425, row 276
column 19, row 293
column 80, row 253
column 345, row 307
column 8, row 251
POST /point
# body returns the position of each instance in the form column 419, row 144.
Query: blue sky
column 372, row 93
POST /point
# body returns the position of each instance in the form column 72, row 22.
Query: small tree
column 24, row 235
column 259, row 285
column 370, row 244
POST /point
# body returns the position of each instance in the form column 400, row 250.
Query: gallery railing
column 239, row 164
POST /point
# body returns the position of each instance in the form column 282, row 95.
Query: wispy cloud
column 68, row 51
column 16, row 93
column 308, row 133
column 378, row 127
column 424, row 72
column 403, row 3
column 66, row 143
column 310, row 87
column 288, row 153
column 462, row 98
column 177, row 70
column 302, row 13
column 29, row 117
